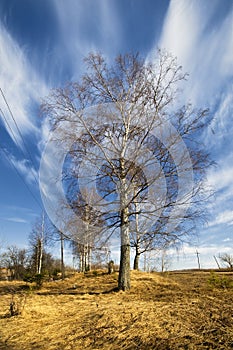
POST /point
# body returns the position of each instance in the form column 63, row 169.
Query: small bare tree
column 227, row 260
column 15, row 260
column 89, row 237
column 38, row 240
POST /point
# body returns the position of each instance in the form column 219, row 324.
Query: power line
column 20, row 134
column 18, row 145
column 21, row 177
column 10, row 128
column 25, row 146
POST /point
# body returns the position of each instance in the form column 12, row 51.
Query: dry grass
column 177, row 311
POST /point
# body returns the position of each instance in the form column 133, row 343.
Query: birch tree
column 38, row 240
column 129, row 143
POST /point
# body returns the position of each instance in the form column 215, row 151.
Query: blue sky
column 42, row 44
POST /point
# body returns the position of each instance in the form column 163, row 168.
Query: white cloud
column 222, row 121
column 203, row 47
column 200, row 35
column 222, row 176
column 220, row 180
column 17, row 220
column 20, row 85
column 227, row 239
column 84, row 27
column 181, row 30
column 187, row 257
column 24, row 167
column 190, row 250
column 225, row 217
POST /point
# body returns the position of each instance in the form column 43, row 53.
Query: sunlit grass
column 174, row 311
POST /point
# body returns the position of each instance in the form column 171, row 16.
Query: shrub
column 37, row 278
column 217, row 281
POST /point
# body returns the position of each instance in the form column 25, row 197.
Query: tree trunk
column 163, row 262
column 87, row 243
column 62, row 257
column 85, row 258
column 40, row 248
column 89, row 258
column 124, row 272
column 136, row 260
column 81, row 261
column 41, row 245
column 137, row 253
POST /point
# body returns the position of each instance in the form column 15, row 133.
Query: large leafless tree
column 126, row 148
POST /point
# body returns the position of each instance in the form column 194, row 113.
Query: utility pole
column 198, row 259
column 217, row 262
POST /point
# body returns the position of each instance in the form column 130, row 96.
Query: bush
column 217, row 281
column 28, row 277
column 37, row 278
column 56, row 274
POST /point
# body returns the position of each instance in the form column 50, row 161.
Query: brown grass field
column 188, row 310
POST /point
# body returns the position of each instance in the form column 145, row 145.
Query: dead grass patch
column 178, row 311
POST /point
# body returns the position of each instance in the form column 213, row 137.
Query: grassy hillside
column 192, row 310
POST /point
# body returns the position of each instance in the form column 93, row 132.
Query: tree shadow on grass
column 9, row 289
column 73, row 291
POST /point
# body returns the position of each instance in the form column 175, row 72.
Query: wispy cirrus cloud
column 21, row 87
column 24, row 167
column 203, row 46
column 221, row 177
column 200, row 34
column 84, row 27
column 224, row 217
column 17, row 220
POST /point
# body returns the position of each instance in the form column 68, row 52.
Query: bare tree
column 84, row 254
column 38, row 240
column 89, row 237
column 164, row 261
column 127, row 149
column 227, row 259
column 16, row 261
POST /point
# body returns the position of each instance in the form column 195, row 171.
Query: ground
column 176, row 310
